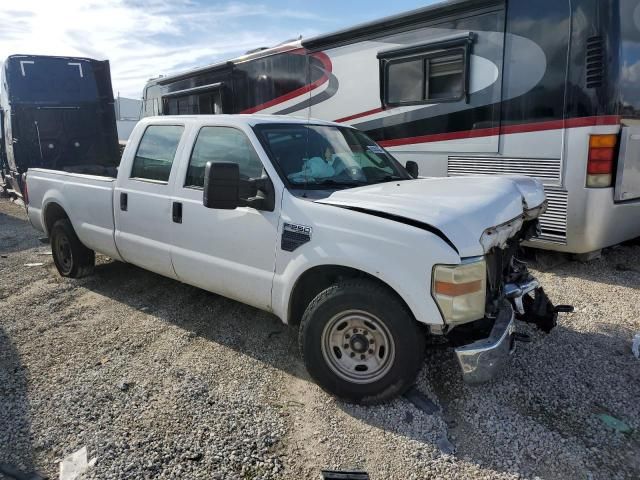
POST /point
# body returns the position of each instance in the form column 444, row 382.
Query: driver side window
column 222, row 144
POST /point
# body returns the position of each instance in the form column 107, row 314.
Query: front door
column 142, row 201
column 229, row 252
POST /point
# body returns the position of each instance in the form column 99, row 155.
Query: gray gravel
column 161, row 380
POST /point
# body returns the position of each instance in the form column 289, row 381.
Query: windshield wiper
column 390, row 178
column 339, row 183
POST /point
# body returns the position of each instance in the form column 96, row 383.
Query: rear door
column 142, row 202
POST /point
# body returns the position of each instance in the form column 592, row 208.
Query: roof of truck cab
column 236, row 120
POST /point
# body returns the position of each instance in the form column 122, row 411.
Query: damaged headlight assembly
column 460, row 290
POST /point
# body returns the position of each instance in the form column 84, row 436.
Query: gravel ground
column 161, row 380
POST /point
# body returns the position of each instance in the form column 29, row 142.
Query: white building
column 128, row 111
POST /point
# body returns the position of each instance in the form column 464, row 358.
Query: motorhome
column 56, row 113
column 548, row 89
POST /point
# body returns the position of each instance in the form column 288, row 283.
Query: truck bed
column 87, row 199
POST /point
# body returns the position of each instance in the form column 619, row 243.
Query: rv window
column 406, row 81
column 156, row 151
column 430, row 74
column 206, row 103
column 445, row 77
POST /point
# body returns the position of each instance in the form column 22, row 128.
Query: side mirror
column 221, row 185
column 412, row 168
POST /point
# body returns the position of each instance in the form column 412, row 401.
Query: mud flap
column 541, row 312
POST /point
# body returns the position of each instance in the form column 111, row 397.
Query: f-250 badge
column 294, row 236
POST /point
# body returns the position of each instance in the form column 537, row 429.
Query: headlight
column 460, row 290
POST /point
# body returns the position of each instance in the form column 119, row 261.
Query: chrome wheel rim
column 358, row 346
column 63, row 253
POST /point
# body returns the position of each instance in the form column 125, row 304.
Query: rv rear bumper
column 482, row 360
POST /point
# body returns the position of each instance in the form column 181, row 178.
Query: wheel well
column 317, row 279
column 52, row 214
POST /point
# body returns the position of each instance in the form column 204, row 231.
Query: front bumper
column 482, row 360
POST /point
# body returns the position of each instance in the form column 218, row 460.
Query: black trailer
column 56, row 113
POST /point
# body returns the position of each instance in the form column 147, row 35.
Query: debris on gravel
column 161, row 380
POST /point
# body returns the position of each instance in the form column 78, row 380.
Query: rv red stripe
column 326, row 63
column 359, row 115
column 506, row 130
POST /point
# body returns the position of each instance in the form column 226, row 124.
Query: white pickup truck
column 314, row 222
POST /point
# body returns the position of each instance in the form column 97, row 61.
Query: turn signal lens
column 603, row 141
column 457, row 289
column 460, row 291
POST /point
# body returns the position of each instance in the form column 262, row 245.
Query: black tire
column 71, row 257
column 361, row 298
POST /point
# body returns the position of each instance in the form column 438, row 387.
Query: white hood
column 462, row 208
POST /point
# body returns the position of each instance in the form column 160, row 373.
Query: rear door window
column 156, row 152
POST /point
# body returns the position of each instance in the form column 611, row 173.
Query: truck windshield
column 320, row 156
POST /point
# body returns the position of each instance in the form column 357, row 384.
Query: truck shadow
column 16, row 234
column 531, row 392
column 16, row 452
column 207, row 315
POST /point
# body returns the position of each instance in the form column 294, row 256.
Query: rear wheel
column 71, row 257
column 360, row 343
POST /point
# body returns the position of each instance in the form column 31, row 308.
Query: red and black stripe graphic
column 320, row 64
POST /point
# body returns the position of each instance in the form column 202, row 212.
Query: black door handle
column 123, row 202
column 177, row 212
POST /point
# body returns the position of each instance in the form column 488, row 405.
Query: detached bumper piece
column 540, row 311
column 482, row 360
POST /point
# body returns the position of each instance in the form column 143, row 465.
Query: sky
column 146, row 38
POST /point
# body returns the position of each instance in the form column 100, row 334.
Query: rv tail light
column 602, row 153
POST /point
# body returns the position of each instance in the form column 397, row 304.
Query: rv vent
column 595, row 62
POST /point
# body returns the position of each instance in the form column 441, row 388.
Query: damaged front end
column 508, row 277
column 512, row 292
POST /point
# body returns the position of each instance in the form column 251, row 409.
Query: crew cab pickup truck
column 314, row 222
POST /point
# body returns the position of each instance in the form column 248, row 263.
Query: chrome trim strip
column 190, row 91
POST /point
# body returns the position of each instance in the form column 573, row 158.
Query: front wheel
column 71, row 257
column 360, row 343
